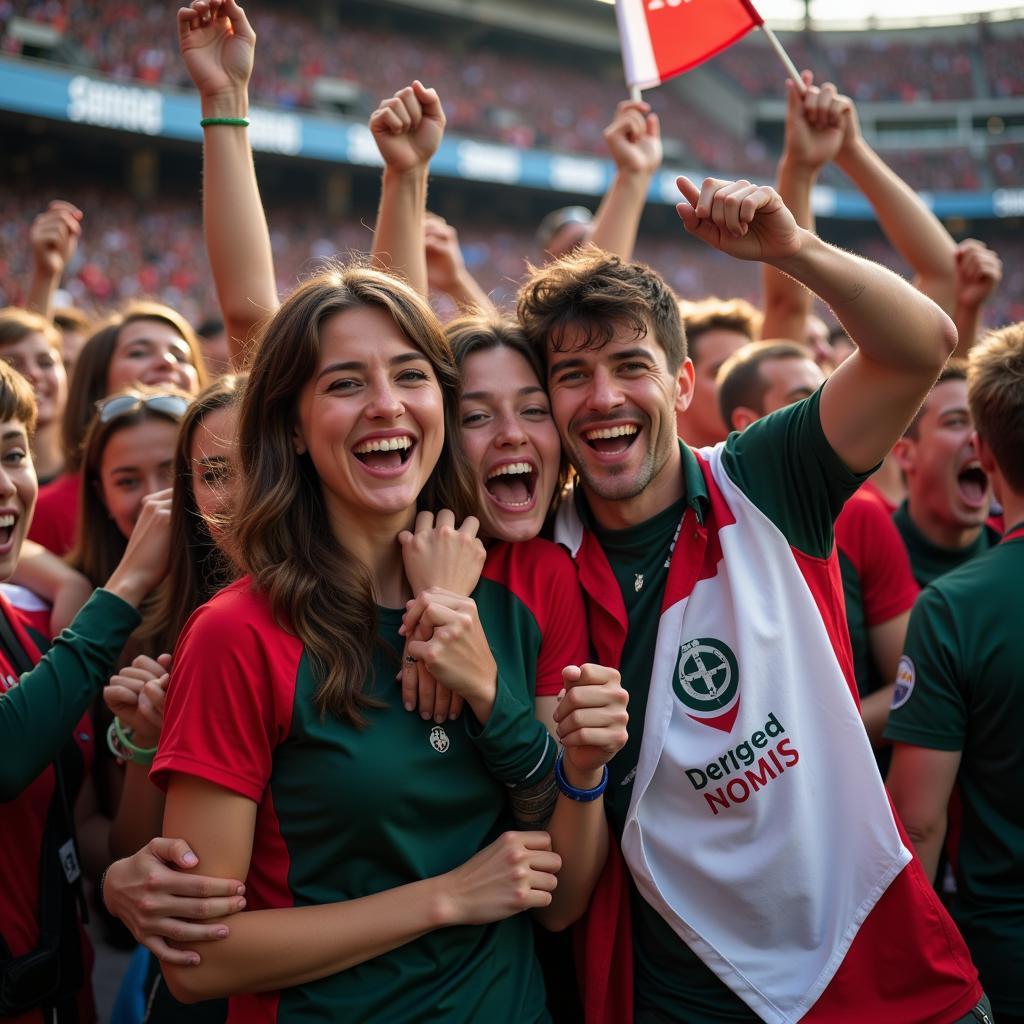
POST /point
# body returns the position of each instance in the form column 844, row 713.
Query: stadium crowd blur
column 122, row 248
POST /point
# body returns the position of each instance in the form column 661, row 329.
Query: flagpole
column 784, row 57
column 635, row 93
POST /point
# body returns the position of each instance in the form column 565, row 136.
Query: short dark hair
column 955, row 369
column 995, row 390
column 590, row 290
column 715, row 314
column 211, row 326
column 740, row 382
column 17, row 400
column 71, row 318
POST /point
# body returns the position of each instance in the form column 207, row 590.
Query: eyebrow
column 405, row 357
column 15, row 435
column 618, row 357
column 483, row 396
column 136, row 469
column 212, row 460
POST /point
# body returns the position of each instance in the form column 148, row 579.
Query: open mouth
column 612, row 440
column 512, row 485
column 7, row 524
column 385, row 453
column 973, row 484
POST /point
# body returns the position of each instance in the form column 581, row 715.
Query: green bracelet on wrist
column 120, row 744
column 234, row 122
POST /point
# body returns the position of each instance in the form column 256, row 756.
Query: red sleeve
column 867, row 536
column 56, row 515
column 231, row 694
column 561, row 616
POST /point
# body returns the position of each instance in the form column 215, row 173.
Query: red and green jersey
column 551, row 621
column 877, row 581
column 38, row 715
column 344, row 813
column 906, row 963
column 929, row 561
column 961, row 688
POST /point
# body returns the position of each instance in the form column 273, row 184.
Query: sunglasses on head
column 123, row 405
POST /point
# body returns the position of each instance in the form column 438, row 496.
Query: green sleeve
column 516, row 748
column 38, row 715
column 784, row 464
column 929, row 709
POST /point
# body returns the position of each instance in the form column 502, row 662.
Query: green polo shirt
column 785, row 465
column 930, row 561
column 962, row 688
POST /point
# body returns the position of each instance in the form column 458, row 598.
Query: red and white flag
column 662, row 38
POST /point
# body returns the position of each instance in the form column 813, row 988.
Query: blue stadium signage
column 42, row 90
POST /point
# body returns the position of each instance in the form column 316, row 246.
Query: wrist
column 581, row 778
column 633, row 177
column 129, row 586
column 796, row 263
column 230, row 104
column 852, row 154
column 798, row 171
column 481, row 700
column 41, row 270
column 442, row 901
column 405, row 176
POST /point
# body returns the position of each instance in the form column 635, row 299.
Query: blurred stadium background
column 95, row 107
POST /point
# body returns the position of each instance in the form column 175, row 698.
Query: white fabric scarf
column 767, row 863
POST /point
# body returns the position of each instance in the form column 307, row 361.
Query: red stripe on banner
column 685, row 33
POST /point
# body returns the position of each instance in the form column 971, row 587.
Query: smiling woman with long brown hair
column 287, row 755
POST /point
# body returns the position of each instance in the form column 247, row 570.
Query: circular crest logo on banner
column 707, row 678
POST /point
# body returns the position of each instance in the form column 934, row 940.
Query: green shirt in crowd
column 962, row 689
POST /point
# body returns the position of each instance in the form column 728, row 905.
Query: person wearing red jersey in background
column 943, row 521
column 715, row 329
column 958, row 711
column 148, row 344
column 878, row 587
column 44, row 957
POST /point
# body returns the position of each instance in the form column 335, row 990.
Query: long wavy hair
column 198, row 567
column 282, row 537
column 88, row 385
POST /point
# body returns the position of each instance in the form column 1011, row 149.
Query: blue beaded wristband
column 582, row 796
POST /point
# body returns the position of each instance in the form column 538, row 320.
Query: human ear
column 684, row 385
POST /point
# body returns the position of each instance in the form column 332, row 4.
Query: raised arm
column 634, row 141
column 903, row 338
column 54, row 238
column 218, row 44
column 914, row 231
column 814, row 132
column 407, row 128
column 270, row 949
column 446, row 269
column 978, row 273
column 38, row 715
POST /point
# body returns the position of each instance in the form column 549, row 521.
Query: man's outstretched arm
column 903, row 338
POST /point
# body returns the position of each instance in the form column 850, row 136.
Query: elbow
column 191, row 984
column 947, row 338
column 556, row 920
column 924, row 830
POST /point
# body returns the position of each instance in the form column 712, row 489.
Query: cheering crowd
column 628, row 656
